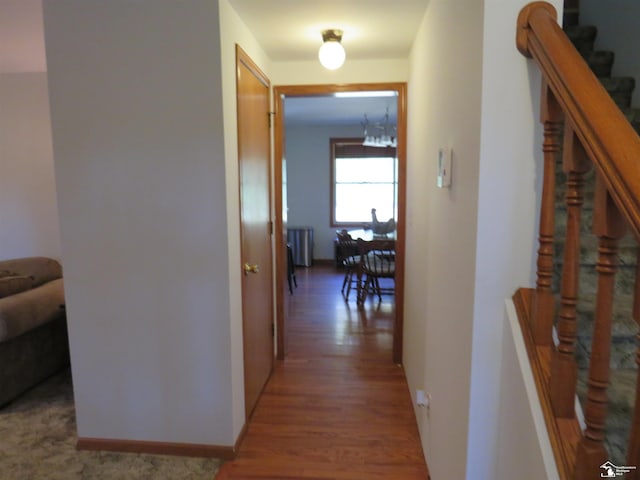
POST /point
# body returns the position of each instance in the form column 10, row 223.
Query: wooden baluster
column 609, row 226
column 633, row 454
column 564, row 370
column 543, row 307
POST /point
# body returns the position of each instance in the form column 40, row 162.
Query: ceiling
column 287, row 30
column 290, row 30
column 21, row 36
column 329, row 110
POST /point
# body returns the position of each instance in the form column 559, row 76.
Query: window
column 362, row 178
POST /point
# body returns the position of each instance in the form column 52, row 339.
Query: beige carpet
column 38, row 437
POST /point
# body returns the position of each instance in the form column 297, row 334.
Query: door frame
column 279, row 92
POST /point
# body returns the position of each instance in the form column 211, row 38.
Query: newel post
column 523, row 28
column 543, row 306
column 609, row 226
column 564, row 370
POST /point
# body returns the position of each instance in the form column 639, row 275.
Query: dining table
column 367, row 235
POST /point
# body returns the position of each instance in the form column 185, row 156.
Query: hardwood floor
column 337, row 407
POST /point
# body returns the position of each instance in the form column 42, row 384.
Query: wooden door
column 256, row 227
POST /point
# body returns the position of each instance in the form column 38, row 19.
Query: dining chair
column 377, row 261
column 347, row 253
column 291, row 269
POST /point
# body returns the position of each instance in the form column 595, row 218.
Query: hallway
column 337, row 407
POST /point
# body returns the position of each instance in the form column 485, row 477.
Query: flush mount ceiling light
column 331, row 53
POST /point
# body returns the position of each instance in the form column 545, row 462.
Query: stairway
column 623, row 367
column 601, row 62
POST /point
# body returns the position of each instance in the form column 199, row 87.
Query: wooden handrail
column 605, row 133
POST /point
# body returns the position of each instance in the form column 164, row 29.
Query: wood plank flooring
column 336, row 407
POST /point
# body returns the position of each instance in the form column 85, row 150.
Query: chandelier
column 386, row 134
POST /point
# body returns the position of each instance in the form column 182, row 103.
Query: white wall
column 21, row 37
column 444, row 111
column 137, row 116
column 524, row 450
column 353, row 71
column 617, row 22
column 309, row 181
column 28, row 208
column 509, row 188
column 233, row 31
column 473, row 244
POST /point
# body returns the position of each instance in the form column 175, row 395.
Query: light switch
column 444, row 167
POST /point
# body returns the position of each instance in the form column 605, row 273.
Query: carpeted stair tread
column 627, row 250
column 623, row 323
column 600, row 62
column 586, row 222
column 582, row 36
column 620, row 89
column 624, row 281
column 570, row 16
column 623, row 353
column 624, row 343
column 633, row 115
column 621, row 394
column 587, row 189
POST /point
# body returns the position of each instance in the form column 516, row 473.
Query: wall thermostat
column 444, row 167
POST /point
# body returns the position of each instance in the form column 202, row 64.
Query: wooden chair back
column 378, row 257
column 347, row 249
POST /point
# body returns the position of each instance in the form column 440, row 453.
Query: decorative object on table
column 381, row 228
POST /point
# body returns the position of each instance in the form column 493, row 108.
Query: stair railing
column 580, row 120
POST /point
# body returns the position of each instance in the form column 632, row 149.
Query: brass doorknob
column 248, row 268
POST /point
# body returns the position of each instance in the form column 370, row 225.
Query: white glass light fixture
column 331, row 53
